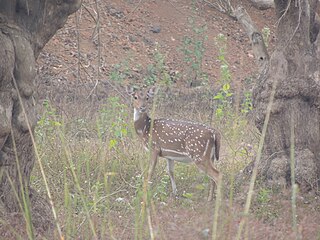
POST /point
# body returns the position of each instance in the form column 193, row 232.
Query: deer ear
column 152, row 91
column 130, row 90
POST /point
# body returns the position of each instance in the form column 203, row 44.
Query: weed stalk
column 217, row 208
column 257, row 161
column 38, row 159
column 293, row 183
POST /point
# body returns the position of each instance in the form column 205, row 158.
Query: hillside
column 132, row 36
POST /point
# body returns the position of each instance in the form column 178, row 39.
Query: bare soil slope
column 123, row 37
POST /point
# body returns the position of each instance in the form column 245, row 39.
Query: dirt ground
column 128, row 33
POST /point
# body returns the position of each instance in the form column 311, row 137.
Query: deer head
column 140, row 100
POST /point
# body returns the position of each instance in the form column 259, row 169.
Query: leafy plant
column 158, row 71
column 264, row 209
column 151, row 77
column 193, row 48
column 264, row 196
column 246, row 105
column 48, row 122
column 161, row 191
column 112, row 121
column 224, row 96
column 120, row 72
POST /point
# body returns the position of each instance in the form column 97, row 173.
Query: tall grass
column 98, row 178
column 97, row 171
column 26, row 203
column 257, row 162
column 101, row 175
column 293, row 179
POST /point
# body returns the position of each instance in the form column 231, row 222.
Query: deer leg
column 170, row 167
column 153, row 163
column 207, row 167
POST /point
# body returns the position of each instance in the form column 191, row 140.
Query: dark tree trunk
column 25, row 28
column 294, row 68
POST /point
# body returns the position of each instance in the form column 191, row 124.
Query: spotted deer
column 181, row 141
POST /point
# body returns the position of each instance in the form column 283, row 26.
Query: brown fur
column 176, row 140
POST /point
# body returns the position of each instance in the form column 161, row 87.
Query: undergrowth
column 97, row 178
column 96, row 167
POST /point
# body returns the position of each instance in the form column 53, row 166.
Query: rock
column 133, row 38
column 115, row 12
column 205, row 233
column 148, row 41
column 155, row 29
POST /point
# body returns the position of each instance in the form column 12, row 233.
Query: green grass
column 97, row 169
column 96, row 176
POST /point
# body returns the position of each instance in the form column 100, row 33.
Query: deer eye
column 147, row 98
column 135, row 97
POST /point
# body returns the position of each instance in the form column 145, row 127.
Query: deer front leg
column 170, row 168
column 153, row 163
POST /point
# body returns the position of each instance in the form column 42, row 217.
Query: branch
column 314, row 21
column 223, row 6
column 258, row 46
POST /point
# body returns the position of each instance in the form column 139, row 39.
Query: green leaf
column 57, row 124
column 124, row 131
column 188, row 195
column 219, row 112
column 200, row 187
column 112, row 143
column 226, row 87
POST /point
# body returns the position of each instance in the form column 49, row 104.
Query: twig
column 224, row 6
column 217, row 208
column 91, row 15
column 78, row 46
column 102, row 198
column 135, row 8
column 175, row 7
column 293, row 179
column 97, row 28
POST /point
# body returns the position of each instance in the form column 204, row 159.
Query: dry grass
column 110, row 199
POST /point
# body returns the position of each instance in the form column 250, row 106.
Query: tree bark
column 262, row 4
column 255, row 36
column 25, row 28
column 294, row 68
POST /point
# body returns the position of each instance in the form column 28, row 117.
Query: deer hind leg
column 206, row 165
column 170, row 168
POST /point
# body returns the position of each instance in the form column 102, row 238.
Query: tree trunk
column 262, row 4
column 25, row 28
column 294, row 68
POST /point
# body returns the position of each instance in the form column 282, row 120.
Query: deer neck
column 142, row 123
